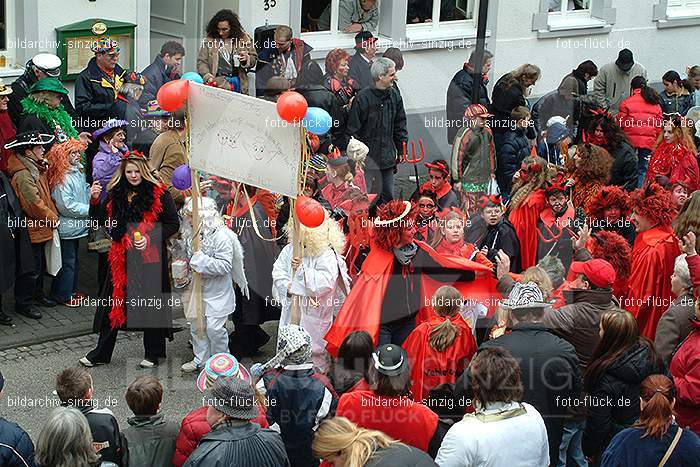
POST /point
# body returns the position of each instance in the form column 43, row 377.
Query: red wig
column 654, row 203
column 334, row 58
column 388, row 237
column 613, row 248
column 607, row 197
column 58, row 159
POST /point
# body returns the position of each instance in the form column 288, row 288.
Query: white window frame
column 668, row 15
column 392, row 29
column 598, row 18
column 437, row 30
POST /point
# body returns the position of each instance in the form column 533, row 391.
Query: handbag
column 671, row 447
column 52, row 251
column 99, row 239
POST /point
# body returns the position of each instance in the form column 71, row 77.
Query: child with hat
column 194, row 426
column 298, row 397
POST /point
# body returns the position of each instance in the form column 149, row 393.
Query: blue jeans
column 570, row 451
column 66, row 281
column 642, row 165
column 381, row 182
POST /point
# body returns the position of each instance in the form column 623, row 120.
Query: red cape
column 649, row 288
column 524, row 219
column 362, row 309
column 430, row 368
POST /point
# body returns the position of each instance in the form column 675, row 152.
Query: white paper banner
column 242, row 138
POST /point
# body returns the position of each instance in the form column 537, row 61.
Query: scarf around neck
column 57, row 117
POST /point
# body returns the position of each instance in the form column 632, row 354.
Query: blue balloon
column 193, row 76
column 317, row 121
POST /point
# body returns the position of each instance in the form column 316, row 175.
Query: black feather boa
column 125, row 213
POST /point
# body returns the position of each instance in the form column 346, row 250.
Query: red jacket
column 430, row 368
column 399, row 417
column 640, row 120
column 194, row 426
column 685, row 368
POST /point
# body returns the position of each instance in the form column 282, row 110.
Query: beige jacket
column 208, row 59
column 167, row 154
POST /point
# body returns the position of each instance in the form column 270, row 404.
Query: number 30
column 270, row 4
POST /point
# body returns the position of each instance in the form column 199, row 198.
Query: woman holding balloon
column 227, row 53
column 168, row 153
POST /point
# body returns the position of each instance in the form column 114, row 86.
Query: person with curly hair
column 609, row 209
column 655, row 250
column 603, row 130
column 227, row 53
column 394, row 285
column 337, row 80
column 676, row 155
column 526, row 203
column 72, row 196
column 590, row 171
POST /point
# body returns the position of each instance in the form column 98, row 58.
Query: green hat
column 48, row 84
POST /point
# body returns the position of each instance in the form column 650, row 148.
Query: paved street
column 30, row 373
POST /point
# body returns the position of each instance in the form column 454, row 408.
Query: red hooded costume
column 653, row 255
column 676, row 162
column 430, row 368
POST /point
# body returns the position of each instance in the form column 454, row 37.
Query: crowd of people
column 533, row 302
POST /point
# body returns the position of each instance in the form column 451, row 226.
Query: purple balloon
column 182, row 177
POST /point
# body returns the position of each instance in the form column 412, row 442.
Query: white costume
column 220, row 263
column 322, row 283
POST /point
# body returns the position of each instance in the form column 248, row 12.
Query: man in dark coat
column 284, row 57
column 15, row 247
column 310, row 85
column 165, row 68
column 460, row 91
column 16, row 447
column 41, row 66
column 361, row 63
column 378, row 119
column 97, row 87
column 548, row 364
column 258, row 258
column 491, row 230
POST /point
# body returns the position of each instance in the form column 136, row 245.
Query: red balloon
column 173, row 95
column 309, row 211
column 291, row 107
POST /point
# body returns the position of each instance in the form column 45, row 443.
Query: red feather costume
column 676, row 162
column 524, row 219
column 649, row 288
column 363, row 307
column 430, row 368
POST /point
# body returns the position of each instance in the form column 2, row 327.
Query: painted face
column 612, row 213
column 680, row 195
column 669, row 137
column 361, row 208
column 3, row 102
column 558, row 202
column 133, row 174
column 343, row 69
column 641, row 223
column 437, row 179
column 224, row 29
column 453, row 230
column 74, row 158
column 426, row 207
column 492, row 215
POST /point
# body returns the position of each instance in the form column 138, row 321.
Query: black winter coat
column 459, row 97
column 378, row 119
column 613, row 400
column 506, row 96
column 360, row 71
column 16, row 447
column 511, row 148
column 549, row 371
column 20, row 90
column 156, row 75
column 501, row 236
column 318, row 96
column 400, row 454
column 16, row 254
column 96, row 96
column 624, row 169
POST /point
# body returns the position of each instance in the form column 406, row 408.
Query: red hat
column 598, row 271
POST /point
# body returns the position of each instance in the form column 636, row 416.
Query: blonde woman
column 341, row 443
column 136, row 296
